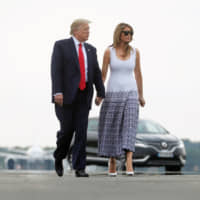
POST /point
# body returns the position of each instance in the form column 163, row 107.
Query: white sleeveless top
column 122, row 76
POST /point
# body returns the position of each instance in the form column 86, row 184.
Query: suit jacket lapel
column 89, row 57
column 74, row 53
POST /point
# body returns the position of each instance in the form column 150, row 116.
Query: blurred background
column 166, row 34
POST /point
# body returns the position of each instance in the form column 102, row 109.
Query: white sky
column 166, row 33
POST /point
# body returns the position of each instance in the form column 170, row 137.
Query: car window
column 93, row 125
column 145, row 126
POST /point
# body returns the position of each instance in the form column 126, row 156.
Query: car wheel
column 173, row 168
column 121, row 164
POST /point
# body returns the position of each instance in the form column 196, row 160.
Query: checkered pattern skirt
column 118, row 123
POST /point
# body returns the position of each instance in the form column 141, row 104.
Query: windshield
column 144, row 127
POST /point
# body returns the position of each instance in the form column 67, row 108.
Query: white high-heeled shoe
column 130, row 173
column 112, row 174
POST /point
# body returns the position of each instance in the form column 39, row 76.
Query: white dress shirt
column 76, row 43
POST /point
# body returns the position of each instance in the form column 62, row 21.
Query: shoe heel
column 112, row 174
column 131, row 173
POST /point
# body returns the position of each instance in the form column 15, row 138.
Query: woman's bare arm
column 106, row 62
column 138, row 77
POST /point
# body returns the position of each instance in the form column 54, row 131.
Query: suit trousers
column 73, row 118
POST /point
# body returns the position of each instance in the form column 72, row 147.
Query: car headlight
column 181, row 144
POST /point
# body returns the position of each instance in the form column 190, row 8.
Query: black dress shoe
column 81, row 173
column 59, row 167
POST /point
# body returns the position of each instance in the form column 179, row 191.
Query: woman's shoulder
column 135, row 50
column 108, row 50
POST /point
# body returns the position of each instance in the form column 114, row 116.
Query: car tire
column 121, row 164
column 173, row 168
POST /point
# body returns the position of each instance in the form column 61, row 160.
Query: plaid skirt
column 118, row 123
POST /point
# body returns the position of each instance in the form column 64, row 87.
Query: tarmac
column 44, row 185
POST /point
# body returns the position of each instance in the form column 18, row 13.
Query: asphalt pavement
column 44, row 185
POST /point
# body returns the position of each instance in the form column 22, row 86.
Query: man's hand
column 59, row 99
column 98, row 100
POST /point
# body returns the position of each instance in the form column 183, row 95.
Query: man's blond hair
column 77, row 23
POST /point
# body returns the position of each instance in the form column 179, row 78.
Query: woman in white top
column 119, row 112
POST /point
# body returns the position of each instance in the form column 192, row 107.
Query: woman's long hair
column 117, row 34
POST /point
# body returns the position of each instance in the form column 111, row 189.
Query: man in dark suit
column 74, row 70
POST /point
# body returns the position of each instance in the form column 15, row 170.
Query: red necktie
column 82, row 67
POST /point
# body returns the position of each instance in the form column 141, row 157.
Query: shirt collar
column 77, row 42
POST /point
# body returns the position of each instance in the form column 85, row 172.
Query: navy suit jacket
column 65, row 71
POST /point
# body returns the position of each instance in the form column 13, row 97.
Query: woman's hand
column 98, row 100
column 142, row 101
